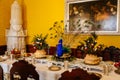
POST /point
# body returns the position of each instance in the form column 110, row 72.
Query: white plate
column 54, row 68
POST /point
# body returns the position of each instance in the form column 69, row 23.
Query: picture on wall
column 101, row 16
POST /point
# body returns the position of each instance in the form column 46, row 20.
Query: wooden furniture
column 78, row 74
column 24, row 69
column 111, row 53
column 1, row 73
column 3, row 48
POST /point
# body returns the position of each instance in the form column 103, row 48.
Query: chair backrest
column 1, row 73
column 111, row 53
column 78, row 74
column 24, row 69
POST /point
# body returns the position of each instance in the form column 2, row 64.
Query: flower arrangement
column 69, row 38
column 39, row 41
column 59, row 31
column 89, row 46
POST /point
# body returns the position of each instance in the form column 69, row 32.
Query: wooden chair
column 111, row 53
column 1, row 73
column 24, row 69
column 78, row 74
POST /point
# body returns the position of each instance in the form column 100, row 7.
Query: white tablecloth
column 6, row 65
column 46, row 74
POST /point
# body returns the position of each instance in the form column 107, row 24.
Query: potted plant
column 91, row 49
column 40, row 44
column 90, row 46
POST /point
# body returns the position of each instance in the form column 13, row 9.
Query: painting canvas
column 101, row 16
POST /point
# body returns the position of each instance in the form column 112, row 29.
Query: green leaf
column 50, row 28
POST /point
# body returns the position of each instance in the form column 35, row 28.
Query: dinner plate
column 54, row 68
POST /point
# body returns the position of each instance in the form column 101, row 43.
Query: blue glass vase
column 59, row 48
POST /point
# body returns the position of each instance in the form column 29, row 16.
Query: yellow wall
column 38, row 17
column 4, row 19
column 41, row 14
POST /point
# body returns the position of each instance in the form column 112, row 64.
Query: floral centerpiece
column 39, row 41
column 91, row 49
column 40, row 44
column 68, row 38
column 90, row 46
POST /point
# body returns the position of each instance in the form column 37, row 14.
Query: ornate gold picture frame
column 101, row 16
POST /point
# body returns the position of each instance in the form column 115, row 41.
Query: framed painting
column 101, row 16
